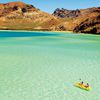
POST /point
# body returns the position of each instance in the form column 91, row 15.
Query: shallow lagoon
column 45, row 65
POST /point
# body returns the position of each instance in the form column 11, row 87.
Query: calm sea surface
column 46, row 65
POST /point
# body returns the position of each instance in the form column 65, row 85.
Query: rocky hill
column 21, row 16
column 64, row 13
column 83, row 20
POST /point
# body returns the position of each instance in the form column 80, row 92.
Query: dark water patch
column 25, row 34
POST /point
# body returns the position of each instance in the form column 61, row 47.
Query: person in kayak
column 81, row 83
column 87, row 85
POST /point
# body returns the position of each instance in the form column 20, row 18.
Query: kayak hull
column 82, row 87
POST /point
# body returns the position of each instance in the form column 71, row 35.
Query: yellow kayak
column 82, row 87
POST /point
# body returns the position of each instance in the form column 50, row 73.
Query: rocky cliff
column 64, row 13
column 89, row 22
column 83, row 20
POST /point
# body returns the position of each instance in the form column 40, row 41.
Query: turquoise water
column 45, row 65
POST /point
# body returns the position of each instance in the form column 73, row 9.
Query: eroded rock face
column 89, row 23
column 83, row 20
column 7, row 8
column 64, row 13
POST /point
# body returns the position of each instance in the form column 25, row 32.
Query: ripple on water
column 46, row 67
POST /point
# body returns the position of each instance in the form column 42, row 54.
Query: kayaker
column 87, row 85
column 81, row 83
